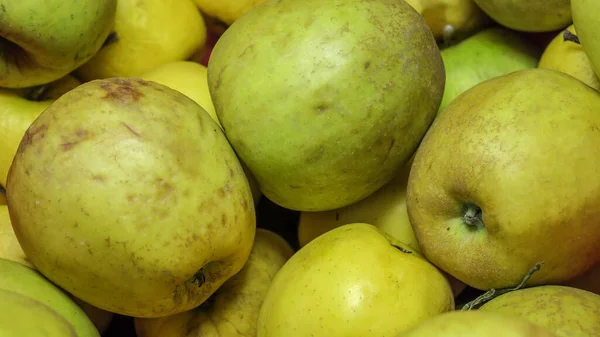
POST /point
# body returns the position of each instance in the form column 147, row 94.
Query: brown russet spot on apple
column 121, row 90
column 80, row 136
column 32, row 134
column 131, row 129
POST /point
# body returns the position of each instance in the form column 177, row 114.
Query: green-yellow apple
column 127, row 194
column 353, row 280
column 190, row 78
column 564, row 311
column 325, row 115
column 587, row 22
column 566, row 55
column 147, row 33
column 18, row 278
column 489, row 53
column 23, row 316
column 42, row 41
column 233, row 309
column 505, row 178
column 529, row 16
column 476, row 323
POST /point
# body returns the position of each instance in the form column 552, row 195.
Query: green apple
column 126, row 194
column 233, row 309
column 505, row 178
column 22, row 316
column 489, row 53
column 20, row 279
column 587, row 22
column 564, row 311
column 353, row 280
column 42, row 41
column 529, row 16
column 325, row 115
column 476, row 323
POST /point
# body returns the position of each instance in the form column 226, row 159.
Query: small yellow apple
column 353, row 280
column 476, row 323
column 569, row 57
column 148, row 33
column 233, row 309
column 564, row 311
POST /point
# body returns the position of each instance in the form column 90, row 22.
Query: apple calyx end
column 568, row 36
column 198, row 279
column 474, row 216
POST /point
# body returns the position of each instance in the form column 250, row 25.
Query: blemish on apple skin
column 122, row 91
column 35, row 133
column 131, row 129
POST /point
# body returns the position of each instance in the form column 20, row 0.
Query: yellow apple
column 148, row 33
column 476, row 323
column 564, row 311
column 569, row 57
column 10, row 249
column 227, row 11
column 233, row 309
column 353, row 280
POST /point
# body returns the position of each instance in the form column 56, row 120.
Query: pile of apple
column 442, row 157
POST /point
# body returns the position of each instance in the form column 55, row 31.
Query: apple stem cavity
column 473, row 217
column 493, row 293
column 198, row 279
column 568, row 36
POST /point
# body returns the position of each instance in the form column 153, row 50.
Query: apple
column 233, row 309
column 587, row 22
column 474, row 323
column 564, row 311
column 127, row 194
column 353, row 280
column 42, row 41
column 505, row 179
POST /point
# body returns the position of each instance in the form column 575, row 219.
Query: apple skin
column 505, row 178
column 587, row 22
column 562, row 310
column 474, row 323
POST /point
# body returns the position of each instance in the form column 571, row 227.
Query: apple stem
column 493, row 293
column 404, row 250
column 568, row 36
column 474, row 217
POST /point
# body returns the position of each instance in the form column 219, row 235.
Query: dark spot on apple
column 244, row 204
column 223, row 219
column 367, row 65
column 131, row 129
column 321, row 108
column 294, row 187
column 121, row 90
column 107, row 241
column 3, row 8
column 76, row 225
column 2, row 190
column 32, row 134
column 99, row 178
column 447, row 228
